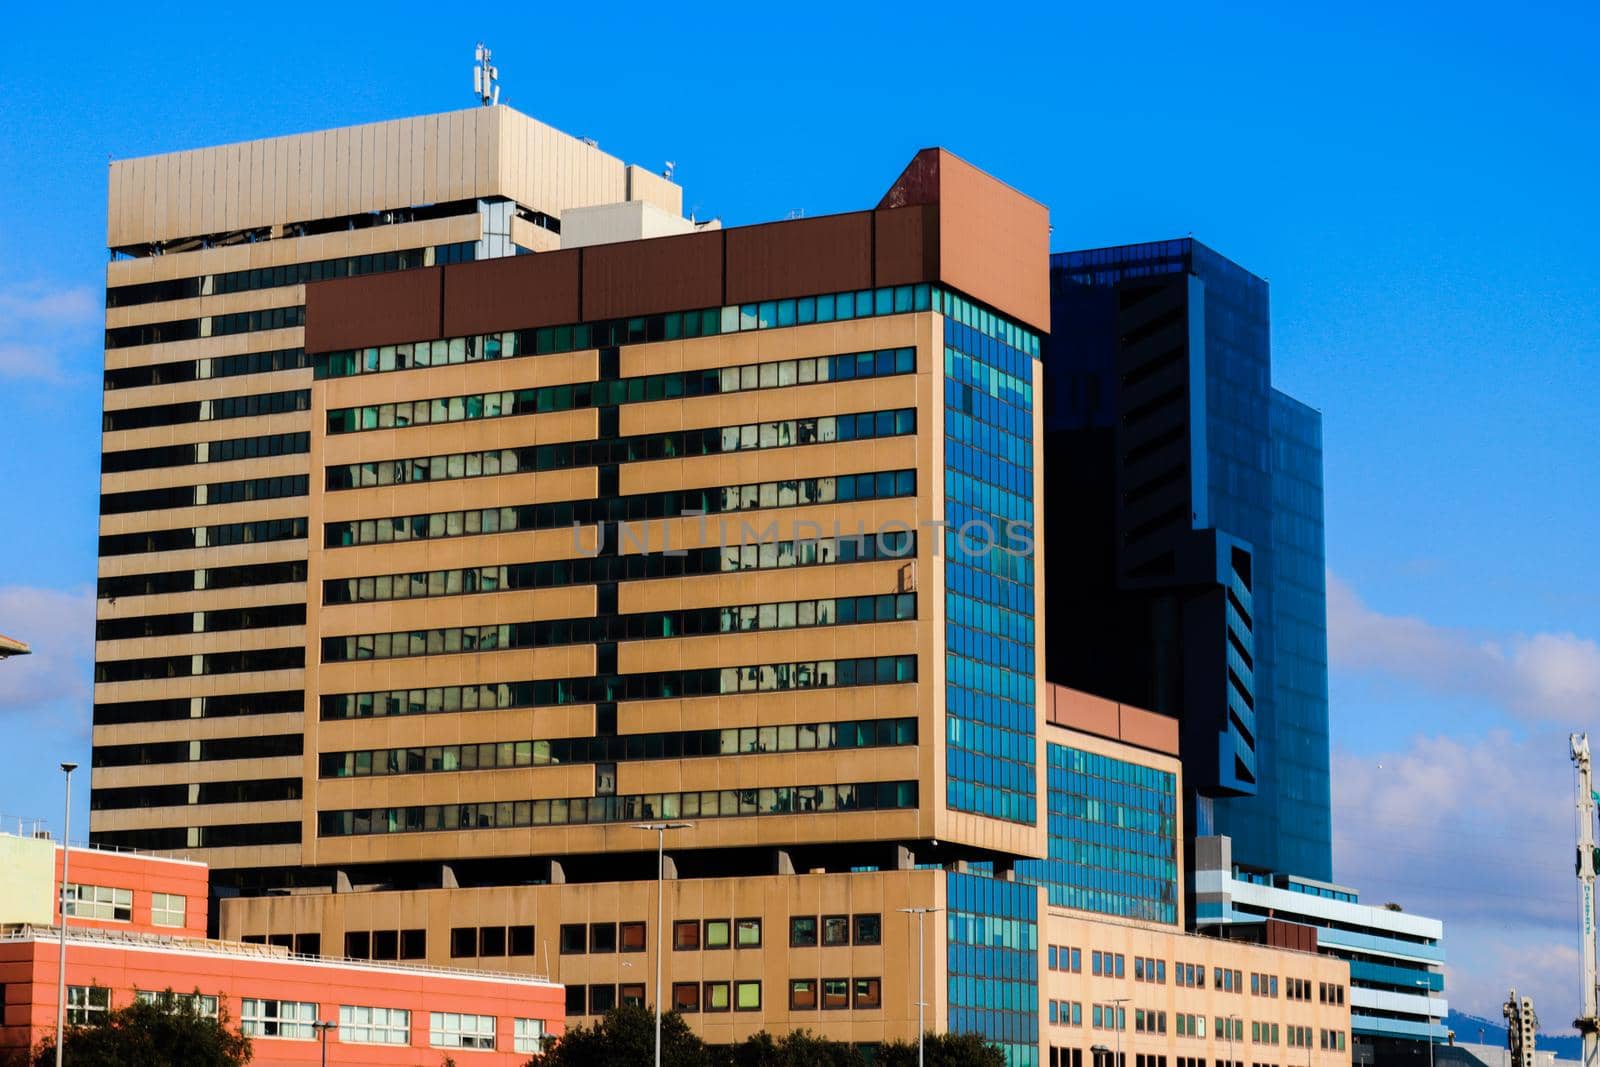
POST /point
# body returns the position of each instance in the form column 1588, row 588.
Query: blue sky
column 1417, row 183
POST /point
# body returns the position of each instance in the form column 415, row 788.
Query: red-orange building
column 136, row 928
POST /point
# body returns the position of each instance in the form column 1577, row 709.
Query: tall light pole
column 321, row 1029
column 661, row 829
column 922, row 999
column 61, row 956
column 1116, row 1006
column 1427, row 991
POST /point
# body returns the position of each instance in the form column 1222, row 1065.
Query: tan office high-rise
column 200, row 639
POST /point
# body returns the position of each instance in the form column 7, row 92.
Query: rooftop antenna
column 484, row 76
column 671, row 166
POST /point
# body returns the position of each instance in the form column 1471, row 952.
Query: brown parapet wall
column 1086, row 713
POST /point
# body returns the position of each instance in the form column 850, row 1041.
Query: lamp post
column 1120, row 1020
column 321, row 1028
column 922, row 999
column 61, row 956
column 1427, row 992
column 1099, row 1051
column 661, row 829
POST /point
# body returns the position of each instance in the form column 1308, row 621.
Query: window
column 577, row 1000
column 633, row 936
column 836, row 929
column 277, row 1018
column 204, row 1005
column 574, row 939
column 685, row 996
column 87, row 1005
column 521, row 942
column 868, row 994
column 802, row 994
column 869, row 929
column 802, row 931
column 748, row 932
column 374, row 1026
column 835, row 994
column 602, row 998
column 747, row 996
column 686, row 935
column 491, row 942
column 631, row 994
column 166, row 909
column 719, row 933
column 448, row 1029
column 463, row 942
column 603, row 937
column 527, row 1035
column 99, row 902
column 717, row 996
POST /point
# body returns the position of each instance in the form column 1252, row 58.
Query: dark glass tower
column 1185, row 533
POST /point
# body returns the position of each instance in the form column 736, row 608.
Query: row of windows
column 219, row 536
column 397, row 944
column 672, row 326
column 655, row 685
column 590, row 570
column 1265, row 1033
column 293, row 1020
column 676, row 444
column 492, row 941
column 226, row 705
column 1298, row 1036
column 1330, row 992
column 1297, row 988
column 255, row 659
column 727, row 803
column 225, row 792
column 138, row 459
column 835, row 994
column 185, row 496
column 688, row 622
column 114, row 904
column 804, row 737
column 1149, row 970
column 242, row 281
column 808, row 931
column 1062, row 958
column 158, row 333
column 178, row 838
column 159, row 582
column 579, row 939
column 710, row 382
column 222, row 620
column 1149, row 1022
column 228, row 407
column 1333, row 1040
column 189, row 370
column 690, row 324
column 1066, row 1012
column 794, row 492
column 217, row 748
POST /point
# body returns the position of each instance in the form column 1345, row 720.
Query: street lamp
column 1120, row 1019
column 1427, row 992
column 61, row 956
column 322, row 1029
column 661, row 829
column 922, row 999
column 1099, row 1051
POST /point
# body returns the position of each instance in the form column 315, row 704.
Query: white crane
column 1587, row 1024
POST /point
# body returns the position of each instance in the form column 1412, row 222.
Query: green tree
column 800, row 1048
column 625, row 1037
column 169, row 1033
column 943, row 1050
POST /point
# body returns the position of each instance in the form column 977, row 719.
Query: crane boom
column 1587, row 1024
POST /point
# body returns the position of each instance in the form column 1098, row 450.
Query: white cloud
column 59, row 627
column 1477, row 831
column 1544, row 676
column 43, row 327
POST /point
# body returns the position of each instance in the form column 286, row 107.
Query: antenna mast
column 485, row 76
column 1587, row 1024
column 1522, row 1029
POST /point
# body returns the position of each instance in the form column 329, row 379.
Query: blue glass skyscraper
column 1185, row 535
